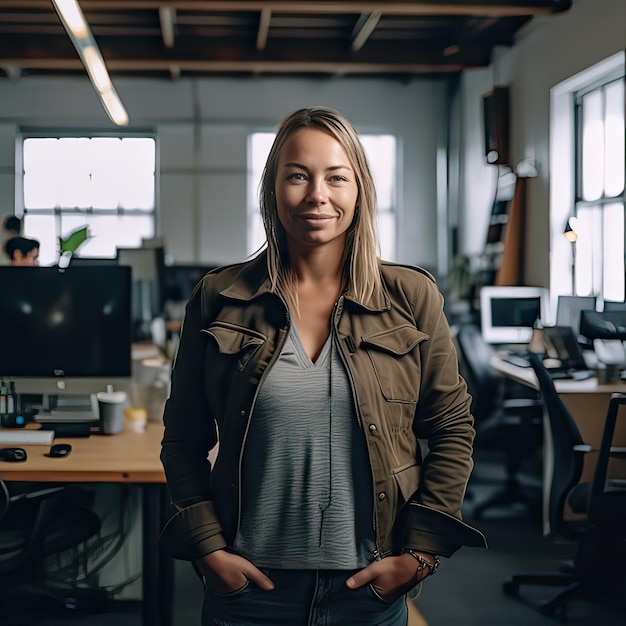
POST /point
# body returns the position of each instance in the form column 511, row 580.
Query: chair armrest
column 617, row 452
column 600, row 474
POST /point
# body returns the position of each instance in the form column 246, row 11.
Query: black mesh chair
column 511, row 425
column 36, row 523
column 598, row 526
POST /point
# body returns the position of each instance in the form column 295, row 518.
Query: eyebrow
column 332, row 168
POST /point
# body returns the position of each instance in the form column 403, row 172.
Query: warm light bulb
column 72, row 15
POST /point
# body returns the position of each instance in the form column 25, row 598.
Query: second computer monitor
column 507, row 314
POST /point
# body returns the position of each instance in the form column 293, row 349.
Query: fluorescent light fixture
column 96, row 68
column 72, row 17
column 77, row 28
column 114, row 107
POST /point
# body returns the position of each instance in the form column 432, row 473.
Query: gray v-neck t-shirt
column 306, row 483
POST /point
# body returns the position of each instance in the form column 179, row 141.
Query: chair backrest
column 568, row 464
column 482, row 382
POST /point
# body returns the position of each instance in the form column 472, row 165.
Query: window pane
column 592, row 146
column 83, row 172
column 613, row 252
column 387, row 235
column 259, row 148
column 615, row 165
column 42, row 228
column 584, row 250
column 381, row 154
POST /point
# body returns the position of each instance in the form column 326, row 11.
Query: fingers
column 255, row 575
column 364, row 576
column 224, row 571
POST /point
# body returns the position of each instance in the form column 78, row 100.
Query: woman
column 318, row 367
column 22, row 251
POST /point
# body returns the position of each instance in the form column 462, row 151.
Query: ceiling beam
column 244, row 66
column 502, row 8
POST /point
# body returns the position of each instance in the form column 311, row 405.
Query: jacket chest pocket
column 236, row 341
column 396, row 367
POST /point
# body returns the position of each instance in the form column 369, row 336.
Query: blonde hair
column 361, row 270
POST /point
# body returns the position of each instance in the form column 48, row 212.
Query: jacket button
column 243, row 412
column 382, row 495
column 373, row 429
column 254, row 381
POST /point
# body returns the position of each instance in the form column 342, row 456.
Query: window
column 105, row 183
column 381, row 153
column 599, row 200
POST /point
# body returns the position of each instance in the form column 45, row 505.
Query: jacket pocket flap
column 397, row 341
column 407, row 478
column 233, row 339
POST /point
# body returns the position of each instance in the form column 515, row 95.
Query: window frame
column 25, row 133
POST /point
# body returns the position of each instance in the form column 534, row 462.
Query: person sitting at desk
column 11, row 227
column 22, row 252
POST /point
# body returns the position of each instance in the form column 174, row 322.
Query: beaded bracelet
column 432, row 567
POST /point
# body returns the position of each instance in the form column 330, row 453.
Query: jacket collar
column 252, row 281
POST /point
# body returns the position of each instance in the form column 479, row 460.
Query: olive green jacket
column 402, row 368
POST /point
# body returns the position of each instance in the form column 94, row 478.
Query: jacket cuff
column 192, row 532
column 437, row 532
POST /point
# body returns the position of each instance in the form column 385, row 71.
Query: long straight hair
column 361, row 270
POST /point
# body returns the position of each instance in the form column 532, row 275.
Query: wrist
column 427, row 563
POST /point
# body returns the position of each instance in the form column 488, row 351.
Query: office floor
column 465, row 592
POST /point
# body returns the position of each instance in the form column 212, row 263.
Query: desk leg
column 158, row 573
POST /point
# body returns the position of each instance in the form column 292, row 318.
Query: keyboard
column 515, row 359
column 27, row 436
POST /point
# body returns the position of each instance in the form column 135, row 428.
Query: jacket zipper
column 338, row 309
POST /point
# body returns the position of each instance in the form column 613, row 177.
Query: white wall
column 547, row 51
column 202, row 127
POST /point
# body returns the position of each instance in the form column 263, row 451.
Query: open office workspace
column 491, row 153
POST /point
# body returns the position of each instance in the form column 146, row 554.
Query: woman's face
column 316, row 190
column 30, row 259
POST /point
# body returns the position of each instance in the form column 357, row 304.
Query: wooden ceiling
column 175, row 38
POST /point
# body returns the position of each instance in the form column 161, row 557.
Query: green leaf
column 73, row 240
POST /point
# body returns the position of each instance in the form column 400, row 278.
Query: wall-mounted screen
column 65, row 331
column 507, row 314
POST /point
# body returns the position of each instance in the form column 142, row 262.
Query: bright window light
column 105, row 183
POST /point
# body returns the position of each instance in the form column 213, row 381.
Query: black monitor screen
column 518, row 312
column 73, row 323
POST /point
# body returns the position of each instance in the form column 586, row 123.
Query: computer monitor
column 146, row 292
column 65, row 332
column 507, row 314
column 568, row 310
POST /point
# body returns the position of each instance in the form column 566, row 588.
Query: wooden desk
column 123, row 458
column 588, row 402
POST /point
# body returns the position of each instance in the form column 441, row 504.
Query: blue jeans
column 303, row 598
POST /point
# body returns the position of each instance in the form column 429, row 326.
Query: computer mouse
column 13, row 455
column 59, row 450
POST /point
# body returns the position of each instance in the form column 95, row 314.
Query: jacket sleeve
column 190, row 433
column 433, row 518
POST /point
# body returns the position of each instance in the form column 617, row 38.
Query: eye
column 296, row 176
column 338, row 179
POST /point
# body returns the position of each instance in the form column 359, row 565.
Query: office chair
column 511, row 425
column 36, row 523
column 598, row 527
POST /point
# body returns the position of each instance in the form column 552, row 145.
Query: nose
column 317, row 192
